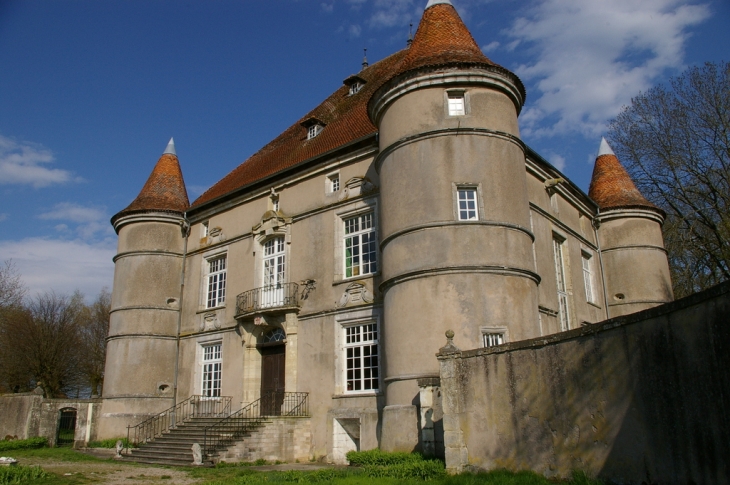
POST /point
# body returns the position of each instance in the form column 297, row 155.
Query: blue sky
column 91, row 91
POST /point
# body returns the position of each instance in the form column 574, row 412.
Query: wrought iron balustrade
column 193, row 407
column 233, row 427
column 268, row 298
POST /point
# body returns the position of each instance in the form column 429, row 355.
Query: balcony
column 268, row 299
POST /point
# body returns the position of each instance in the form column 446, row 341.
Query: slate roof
column 611, row 186
column 441, row 39
column 164, row 190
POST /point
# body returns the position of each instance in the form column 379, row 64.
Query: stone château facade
column 334, row 259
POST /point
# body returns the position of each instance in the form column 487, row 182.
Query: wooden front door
column 272, row 379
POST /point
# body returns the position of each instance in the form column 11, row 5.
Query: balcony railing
column 267, row 298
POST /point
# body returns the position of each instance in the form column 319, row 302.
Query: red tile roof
column 345, row 118
column 163, row 192
column 612, row 187
column 442, row 39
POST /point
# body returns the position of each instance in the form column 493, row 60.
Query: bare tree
column 12, row 289
column 675, row 142
column 40, row 345
column 93, row 332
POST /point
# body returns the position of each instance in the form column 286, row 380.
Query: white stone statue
column 197, row 454
column 119, row 447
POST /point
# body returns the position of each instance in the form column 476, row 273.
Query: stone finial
column 119, row 447
column 197, row 454
column 449, row 348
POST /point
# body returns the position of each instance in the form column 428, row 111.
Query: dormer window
column 313, row 131
column 355, row 84
column 314, row 127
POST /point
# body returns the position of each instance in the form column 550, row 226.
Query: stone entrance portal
column 273, row 379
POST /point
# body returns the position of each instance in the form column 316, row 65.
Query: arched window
column 274, row 335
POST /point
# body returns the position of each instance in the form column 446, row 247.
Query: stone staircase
column 174, row 447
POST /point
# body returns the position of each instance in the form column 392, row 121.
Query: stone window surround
column 455, row 187
column 499, row 330
column 357, row 208
column 452, row 93
column 349, row 319
column 202, row 342
column 329, row 183
column 205, row 260
column 562, row 241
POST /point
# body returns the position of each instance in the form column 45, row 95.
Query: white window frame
column 215, row 297
column 492, row 339
column 456, row 102
column 353, row 319
column 589, row 276
column 461, row 194
column 333, row 183
column 204, row 229
column 355, row 87
column 561, row 280
column 211, row 369
column 314, row 130
column 357, row 207
column 366, row 242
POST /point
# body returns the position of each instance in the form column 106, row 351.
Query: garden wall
column 640, row 398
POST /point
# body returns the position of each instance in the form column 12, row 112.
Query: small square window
column 467, row 199
column 355, row 87
column 333, row 183
column 492, row 339
column 456, row 104
column 204, row 229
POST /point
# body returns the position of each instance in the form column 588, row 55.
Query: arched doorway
column 273, row 371
column 66, row 427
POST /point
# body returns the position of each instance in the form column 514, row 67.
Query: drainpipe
column 596, row 224
column 185, row 226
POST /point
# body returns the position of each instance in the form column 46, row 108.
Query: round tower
column 635, row 262
column 141, row 347
column 454, row 218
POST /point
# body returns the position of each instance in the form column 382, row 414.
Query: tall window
column 212, row 365
column 334, row 183
column 274, row 272
column 361, row 356
column 216, row 282
column 562, row 289
column 467, row 199
column 588, row 277
column 360, row 245
column 456, row 104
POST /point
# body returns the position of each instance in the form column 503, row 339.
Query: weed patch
column 110, row 443
column 10, row 475
column 28, row 444
column 381, row 458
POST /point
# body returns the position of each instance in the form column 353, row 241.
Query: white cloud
column 62, row 266
column 492, row 46
column 390, row 13
column 328, row 7
column 91, row 221
column 591, row 57
column 23, row 163
column 68, row 211
column 558, row 161
column 355, row 30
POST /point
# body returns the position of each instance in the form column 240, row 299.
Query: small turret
column 632, row 247
column 141, row 348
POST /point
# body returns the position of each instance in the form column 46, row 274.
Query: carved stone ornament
column 197, row 454
column 260, row 320
column 118, row 448
column 210, row 322
column 356, row 186
column 355, row 294
column 272, row 223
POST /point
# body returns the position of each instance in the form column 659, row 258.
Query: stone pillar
column 456, row 455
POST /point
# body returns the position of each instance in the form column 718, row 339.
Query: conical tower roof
column 165, row 188
column 611, row 186
column 442, row 39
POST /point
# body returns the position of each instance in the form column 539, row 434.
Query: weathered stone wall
column 28, row 414
column 281, row 438
column 639, row 398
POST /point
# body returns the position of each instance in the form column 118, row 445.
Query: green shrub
column 28, row 444
column 10, row 475
column 382, row 458
column 110, row 443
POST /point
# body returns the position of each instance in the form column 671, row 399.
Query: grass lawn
column 64, row 466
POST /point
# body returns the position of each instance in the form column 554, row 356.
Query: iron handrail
column 248, row 418
column 268, row 297
column 194, row 406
